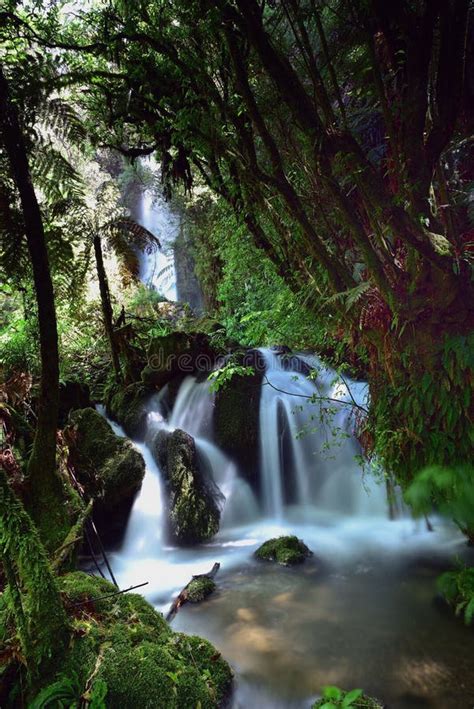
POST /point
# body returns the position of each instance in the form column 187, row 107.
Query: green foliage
column 33, row 595
column 457, row 587
column 336, row 698
column 448, row 489
column 423, row 416
column 62, row 694
column 253, row 303
column 221, row 377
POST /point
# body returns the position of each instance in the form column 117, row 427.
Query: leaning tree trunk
column 46, row 493
column 106, row 306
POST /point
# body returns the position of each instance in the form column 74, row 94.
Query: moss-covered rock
column 109, row 468
column 193, row 499
column 127, row 406
column 284, row 550
column 199, row 588
column 236, row 417
column 177, row 353
column 121, row 645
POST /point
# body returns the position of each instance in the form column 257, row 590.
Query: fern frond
column 60, row 118
column 348, row 297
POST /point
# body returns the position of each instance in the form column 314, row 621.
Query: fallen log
column 196, row 590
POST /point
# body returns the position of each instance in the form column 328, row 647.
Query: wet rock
column 127, row 406
column 194, row 501
column 177, row 353
column 286, row 551
column 108, row 467
column 236, row 417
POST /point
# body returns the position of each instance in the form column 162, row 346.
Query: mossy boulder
column 124, row 648
column 108, row 466
column 193, row 499
column 127, row 406
column 237, row 414
column 286, row 551
column 177, row 353
column 200, row 588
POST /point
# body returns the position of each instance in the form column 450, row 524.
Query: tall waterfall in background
column 171, row 269
column 155, row 214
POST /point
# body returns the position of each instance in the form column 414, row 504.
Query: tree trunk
column 33, row 595
column 106, row 306
column 45, row 489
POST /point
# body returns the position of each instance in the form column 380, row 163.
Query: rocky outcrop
column 177, row 353
column 236, row 417
column 193, row 499
column 286, row 551
column 109, row 468
column 127, row 406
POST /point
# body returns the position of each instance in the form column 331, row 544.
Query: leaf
column 331, row 692
column 328, row 705
column 351, row 697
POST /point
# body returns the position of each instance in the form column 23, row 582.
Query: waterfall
column 307, row 451
column 157, row 269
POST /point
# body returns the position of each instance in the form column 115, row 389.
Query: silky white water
column 339, row 512
column 358, row 613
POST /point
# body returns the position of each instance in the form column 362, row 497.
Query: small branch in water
column 318, row 398
column 182, row 597
column 108, row 595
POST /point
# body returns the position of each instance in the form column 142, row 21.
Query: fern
column 348, row 298
column 64, row 693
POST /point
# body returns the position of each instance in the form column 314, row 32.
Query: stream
column 360, row 612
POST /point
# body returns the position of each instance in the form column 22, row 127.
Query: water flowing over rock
column 307, row 449
column 236, row 417
column 193, row 499
column 109, row 467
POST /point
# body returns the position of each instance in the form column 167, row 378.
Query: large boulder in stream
column 193, row 499
column 108, row 466
column 237, row 415
column 127, row 406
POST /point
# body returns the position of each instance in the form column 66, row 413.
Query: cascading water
column 344, row 617
column 307, row 450
column 157, row 269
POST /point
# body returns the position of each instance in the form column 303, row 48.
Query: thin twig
column 108, row 595
column 317, row 398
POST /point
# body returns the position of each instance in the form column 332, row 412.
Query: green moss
column 284, row 550
column 193, row 512
column 199, row 588
column 236, row 416
column 129, row 647
column 127, row 406
column 109, row 468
